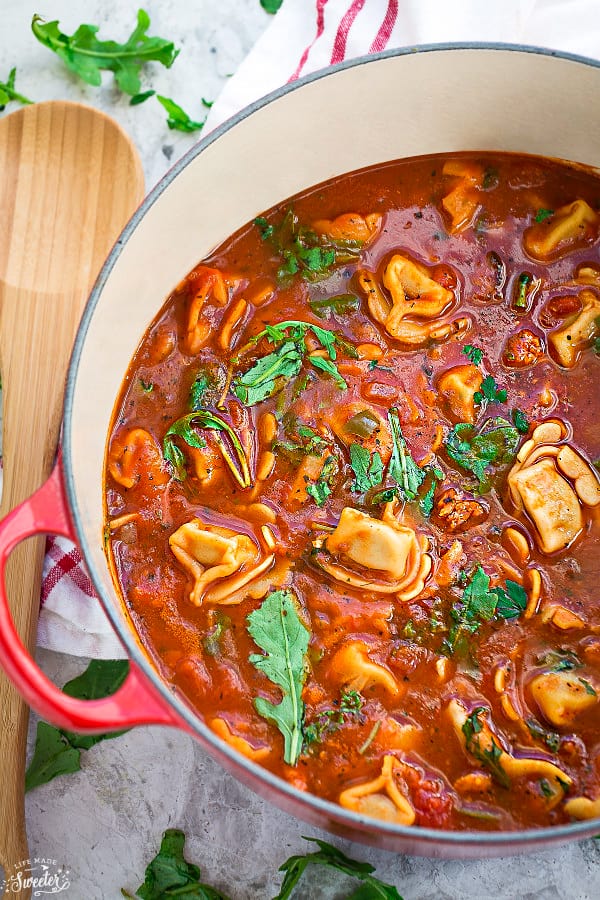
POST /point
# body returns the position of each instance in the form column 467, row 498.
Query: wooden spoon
column 69, row 181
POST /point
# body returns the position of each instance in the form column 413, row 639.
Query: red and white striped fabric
column 304, row 36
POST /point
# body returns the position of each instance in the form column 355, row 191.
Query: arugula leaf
column 543, row 214
column 204, row 418
column 271, row 6
column 328, row 855
column 86, row 56
column 263, row 379
column 368, row 470
column 490, row 391
column 323, row 307
column 8, row 92
column 402, row 468
column 495, row 443
column 306, row 442
column 278, row 630
column 169, row 874
column 57, row 751
column 301, row 250
column 474, row 353
column 206, row 387
column 550, row 738
column 178, row 119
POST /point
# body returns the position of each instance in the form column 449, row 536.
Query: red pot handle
column 136, row 702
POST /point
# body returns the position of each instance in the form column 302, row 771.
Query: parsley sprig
column 476, row 450
column 480, row 603
column 490, row 392
column 270, row 373
column 489, row 756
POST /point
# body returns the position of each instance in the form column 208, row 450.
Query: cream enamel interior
column 386, row 108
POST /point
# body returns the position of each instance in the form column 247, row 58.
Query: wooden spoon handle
column 69, row 180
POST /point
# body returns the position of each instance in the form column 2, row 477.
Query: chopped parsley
column 367, row 468
column 543, row 214
column 522, row 290
column 490, row 391
column 488, row 756
column 330, row 720
column 520, row 421
column 402, row 468
column 476, row 449
column 146, row 386
column 320, row 489
column 474, row 353
column 301, row 251
column 480, row 603
column 270, row 373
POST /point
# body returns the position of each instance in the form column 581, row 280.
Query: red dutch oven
column 403, row 103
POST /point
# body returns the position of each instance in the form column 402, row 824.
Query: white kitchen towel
column 307, row 35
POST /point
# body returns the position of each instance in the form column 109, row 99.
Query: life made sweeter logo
column 40, row 876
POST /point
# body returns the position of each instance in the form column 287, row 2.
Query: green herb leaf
column 325, row 365
column 278, row 630
column 271, row 6
column 146, row 386
column 301, row 250
column 324, row 307
column 171, row 875
column 320, row 489
column 489, row 757
column 550, row 738
column 141, row 98
column 86, row 56
column 265, row 376
column 8, row 92
column 512, row 601
column 328, row 855
column 543, row 214
column 57, row 751
column 178, row 119
column 402, row 468
column 327, row 721
column 53, row 755
column 520, row 421
column 521, row 290
column 368, row 470
column 204, row 418
column 426, row 501
column 480, row 603
column 494, row 444
column 490, row 391
column 589, row 689
column 474, row 353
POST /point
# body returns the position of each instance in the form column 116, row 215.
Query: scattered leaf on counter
column 8, row 92
column 277, row 629
column 86, row 56
column 328, row 855
column 271, row 6
column 141, row 98
column 58, row 752
column 171, row 875
column 178, row 119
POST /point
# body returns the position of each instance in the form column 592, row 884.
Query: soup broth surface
column 352, row 491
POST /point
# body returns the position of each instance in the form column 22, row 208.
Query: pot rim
column 479, row 843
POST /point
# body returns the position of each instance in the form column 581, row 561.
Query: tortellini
column 393, row 550
column 210, row 553
column 352, row 667
column 551, row 482
column 578, row 332
column 134, row 457
column 417, row 302
column 562, row 696
column 566, row 229
column 381, row 798
column 457, row 388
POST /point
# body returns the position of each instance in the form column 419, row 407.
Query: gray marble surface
column 105, row 822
